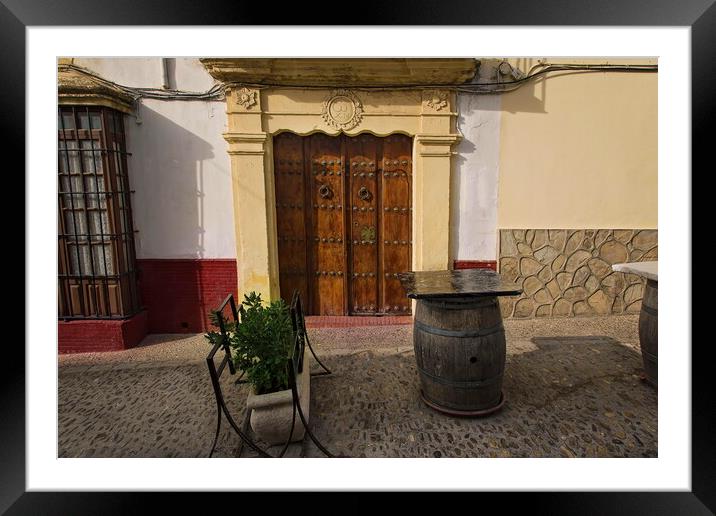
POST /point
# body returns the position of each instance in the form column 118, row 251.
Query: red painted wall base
column 87, row 335
column 179, row 293
column 476, row 264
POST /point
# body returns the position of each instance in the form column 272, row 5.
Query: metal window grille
column 97, row 266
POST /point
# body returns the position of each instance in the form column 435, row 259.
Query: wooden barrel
column 648, row 331
column 460, row 353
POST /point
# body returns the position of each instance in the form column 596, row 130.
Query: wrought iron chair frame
column 295, row 366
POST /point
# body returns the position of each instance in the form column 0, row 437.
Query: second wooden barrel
column 460, row 353
column 648, row 331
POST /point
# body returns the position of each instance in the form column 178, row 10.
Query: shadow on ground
column 565, row 397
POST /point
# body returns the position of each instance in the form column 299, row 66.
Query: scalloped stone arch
column 251, row 127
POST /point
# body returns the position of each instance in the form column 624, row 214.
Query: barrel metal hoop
column 457, row 304
column 459, row 410
column 459, row 383
column 458, row 333
column 649, row 310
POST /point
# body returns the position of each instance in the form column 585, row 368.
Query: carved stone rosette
column 435, row 99
column 342, row 109
column 246, row 98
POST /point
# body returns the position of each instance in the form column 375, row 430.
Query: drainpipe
column 165, row 73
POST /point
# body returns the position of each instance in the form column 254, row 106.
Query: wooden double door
column 343, row 217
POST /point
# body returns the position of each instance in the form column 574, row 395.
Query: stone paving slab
column 566, row 396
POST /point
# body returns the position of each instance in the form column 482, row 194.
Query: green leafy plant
column 261, row 343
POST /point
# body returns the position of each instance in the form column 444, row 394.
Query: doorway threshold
column 350, row 321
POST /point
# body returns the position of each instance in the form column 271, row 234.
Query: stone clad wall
column 567, row 272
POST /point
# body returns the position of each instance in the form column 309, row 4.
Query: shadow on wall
column 464, row 147
column 167, row 172
column 529, row 98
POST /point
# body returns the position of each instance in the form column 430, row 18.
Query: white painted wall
column 179, row 168
column 474, row 178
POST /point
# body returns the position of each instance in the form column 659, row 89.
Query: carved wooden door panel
column 395, row 222
column 362, row 160
column 343, row 208
column 327, row 242
column 291, row 220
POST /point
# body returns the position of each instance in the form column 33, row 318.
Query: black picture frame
column 700, row 15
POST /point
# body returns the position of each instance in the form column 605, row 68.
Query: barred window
column 97, row 270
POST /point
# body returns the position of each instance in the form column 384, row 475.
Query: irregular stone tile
column 588, row 241
column 557, row 238
column 524, row 308
column 613, row 284
column 591, row 284
column 519, row 235
column 574, row 241
column 633, row 293
column 543, row 296
column 581, row 275
column 576, row 260
column 508, row 268
column 506, row 306
column 599, row 267
column 531, row 285
column 630, row 279
column 635, row 255
column 613, row 252
column 599, row 302
column 634, row 307
column 564, row 280
column 540, row 238
column 558, row 263
column 546, row 254
column 617, row 305
column 508, row 246
column 529, row 266
column 575, row 293
column 554, row 289
column 601, row 236
column 644, row 239
column 651, row 255
column 545, row 274
column 529, row 235
column 524, row 249
column 623, row 235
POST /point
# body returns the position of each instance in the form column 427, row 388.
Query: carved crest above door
column 342, row 109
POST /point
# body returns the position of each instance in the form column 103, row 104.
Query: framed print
column 359, row 178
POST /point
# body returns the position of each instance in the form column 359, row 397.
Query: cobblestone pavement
column 572, row 390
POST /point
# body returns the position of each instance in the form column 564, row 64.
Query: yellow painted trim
column 253, row 120
column 346, row 72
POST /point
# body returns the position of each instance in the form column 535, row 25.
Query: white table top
column 646, row 269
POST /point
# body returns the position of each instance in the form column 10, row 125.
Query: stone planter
column 271, row 414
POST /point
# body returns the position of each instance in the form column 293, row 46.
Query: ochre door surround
column 343, row 216
column 257, row 113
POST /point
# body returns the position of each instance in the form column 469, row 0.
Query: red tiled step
column 345, row 321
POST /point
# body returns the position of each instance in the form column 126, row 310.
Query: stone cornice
column 343, row 72
column 76, row 88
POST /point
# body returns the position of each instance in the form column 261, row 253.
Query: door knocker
column 364, row 194
column 325, row 192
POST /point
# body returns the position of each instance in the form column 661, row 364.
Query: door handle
column 325, row 192
column 364, row 194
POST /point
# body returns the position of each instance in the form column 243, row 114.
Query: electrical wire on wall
column 485, row 87
column 218, row 90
